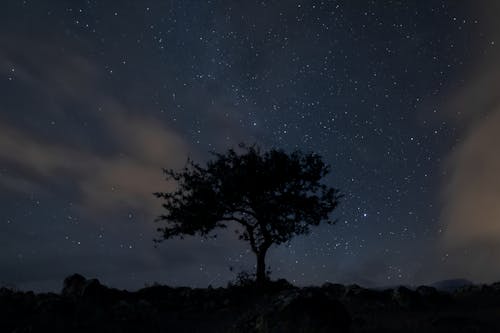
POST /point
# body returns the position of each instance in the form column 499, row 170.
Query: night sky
column 401, row 98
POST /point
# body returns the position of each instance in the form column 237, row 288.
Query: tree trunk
column 261, row 268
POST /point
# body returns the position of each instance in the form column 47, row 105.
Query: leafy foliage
column 274, row 195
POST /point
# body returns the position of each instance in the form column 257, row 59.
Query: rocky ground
column 87, row 306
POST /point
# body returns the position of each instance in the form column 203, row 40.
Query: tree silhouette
column 273, row 195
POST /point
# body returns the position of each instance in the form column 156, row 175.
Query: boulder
column 73, row 285
column 353, row 290
column 426, row 291
column 406, row 298
column 496, row 286
column 93, row 289
column 366, row 296
column 430, row 296
column 335, row 290
column 278, row 286
column 89, row 289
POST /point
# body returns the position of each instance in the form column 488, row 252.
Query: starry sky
column 399, row 97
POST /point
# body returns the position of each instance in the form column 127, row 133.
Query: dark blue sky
column 97, row 97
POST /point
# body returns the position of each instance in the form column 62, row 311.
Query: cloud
column 126, row 177
column 470, row 240
column 106, row 168
column 135, row 146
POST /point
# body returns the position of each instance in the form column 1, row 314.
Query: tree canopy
column 273, row 195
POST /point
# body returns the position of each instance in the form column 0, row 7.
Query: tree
column 272, row 195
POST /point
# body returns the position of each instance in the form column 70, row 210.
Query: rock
column 73, row 285
column 296, row 311
column 334, row 290
column 487, row 289
column 5, row 292
column 430, row 296
column 467, row 290
column 360, row 294
column 278, row 286
column 426, row 291
column 91, row 290
column 353, row 290
column 496, row 286
column 406, row 298
column 155, row 293
column 124, row 311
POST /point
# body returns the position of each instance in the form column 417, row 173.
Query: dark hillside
column 87, row 306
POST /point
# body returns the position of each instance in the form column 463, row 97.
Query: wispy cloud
column 471, row 191
column 138, row 146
